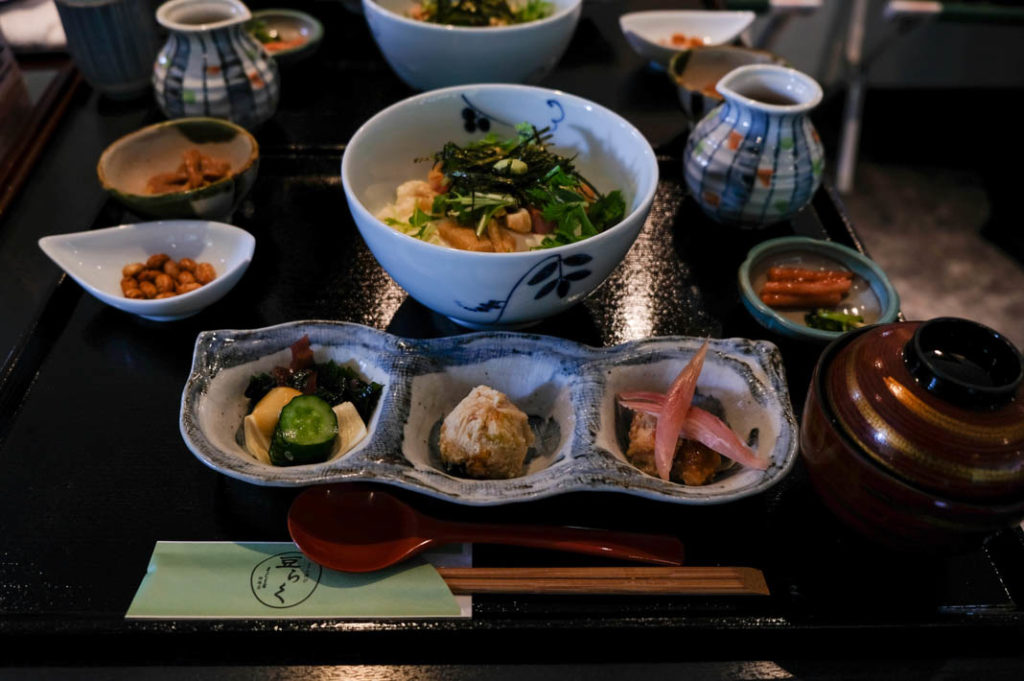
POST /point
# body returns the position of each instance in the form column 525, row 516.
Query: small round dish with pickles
column 574, row 422
column 814, row 290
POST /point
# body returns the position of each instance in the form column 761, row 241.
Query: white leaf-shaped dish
column 96, row 258
column 567, row 386
column 650, row 33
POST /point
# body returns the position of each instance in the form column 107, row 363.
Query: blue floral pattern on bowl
column 475, row 119
column 553, row 275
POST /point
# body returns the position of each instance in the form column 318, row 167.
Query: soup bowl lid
column 938, row 404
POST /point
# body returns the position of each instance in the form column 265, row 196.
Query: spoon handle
column 647, row 548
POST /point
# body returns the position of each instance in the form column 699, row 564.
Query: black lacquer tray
column 93, row 470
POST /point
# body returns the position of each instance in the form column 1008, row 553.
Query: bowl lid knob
column 964, row 363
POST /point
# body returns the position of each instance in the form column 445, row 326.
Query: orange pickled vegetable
column 807, row 287
column 805, row 300
column 803, row 274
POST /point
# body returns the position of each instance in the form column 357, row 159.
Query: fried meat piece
column 694, row 464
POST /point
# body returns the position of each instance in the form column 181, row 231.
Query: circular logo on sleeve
column 285, row 579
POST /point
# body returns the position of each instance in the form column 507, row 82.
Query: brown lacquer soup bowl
column 913, row 433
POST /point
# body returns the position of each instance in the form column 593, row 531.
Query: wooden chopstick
column 607, row 580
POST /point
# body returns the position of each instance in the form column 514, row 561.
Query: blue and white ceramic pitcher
column 210, row 66
column 756, row 159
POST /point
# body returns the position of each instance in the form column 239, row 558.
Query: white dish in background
column 650, row 33
column 428, row 56
column 568, row 389
column 289, row 25
column 95, row 259
column 496, row 290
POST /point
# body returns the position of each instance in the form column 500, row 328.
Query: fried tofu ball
column 485, row 436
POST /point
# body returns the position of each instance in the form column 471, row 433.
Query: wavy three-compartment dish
column 568, row 390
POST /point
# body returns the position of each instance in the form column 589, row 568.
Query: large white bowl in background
column 428, row 56
column 494, row 290
column 96, row 258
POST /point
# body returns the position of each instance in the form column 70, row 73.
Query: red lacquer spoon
column 358, row 529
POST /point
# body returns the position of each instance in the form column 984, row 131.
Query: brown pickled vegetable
column 196, row 170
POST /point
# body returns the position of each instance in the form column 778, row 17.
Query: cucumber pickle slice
column 305, row 432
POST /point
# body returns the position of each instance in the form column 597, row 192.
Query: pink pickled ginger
column 673, row 413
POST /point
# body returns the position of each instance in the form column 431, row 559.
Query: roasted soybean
column 161, row 277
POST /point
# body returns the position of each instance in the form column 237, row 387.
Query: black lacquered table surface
column 93, row 470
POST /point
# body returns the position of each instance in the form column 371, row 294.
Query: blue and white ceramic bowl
column 428, row 56
column 495, row 290
column 567, row 389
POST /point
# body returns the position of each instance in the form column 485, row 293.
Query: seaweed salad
column 480, row 12
column 503, row 195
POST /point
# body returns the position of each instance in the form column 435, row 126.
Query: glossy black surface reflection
column 93, row 470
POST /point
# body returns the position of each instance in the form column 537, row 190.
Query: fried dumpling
column 485, row 436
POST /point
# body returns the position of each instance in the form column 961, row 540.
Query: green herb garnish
column 833, row 320
column 420, row 225
column 490, row 177
column 476, row 208
column 533, row 10
column 259, row 30
column 483, row 12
